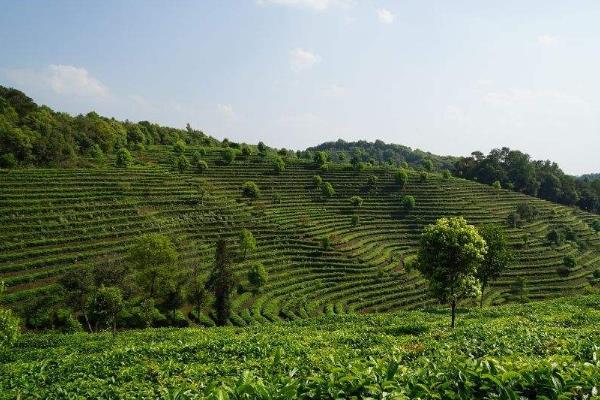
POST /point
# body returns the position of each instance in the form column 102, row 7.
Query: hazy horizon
column 449, row 78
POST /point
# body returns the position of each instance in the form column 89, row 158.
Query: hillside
column 55, row 220
column 539, row 350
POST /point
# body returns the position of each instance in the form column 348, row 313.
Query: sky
column 449, row 77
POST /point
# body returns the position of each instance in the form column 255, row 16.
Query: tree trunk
column 453, row 313
column 87, row 321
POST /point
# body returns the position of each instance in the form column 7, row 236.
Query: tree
column 355, row 220
column 278, row 165
column 246, row 151
column 173, row 297
column 201, row 166
column 317, row 181
column 247, row 242
column 103, row 307
column 123, row 158
column 221, row 282
column 401, row 177
column 250, row 190
column 570, row 262
column 182, row 163
column 497, row 185
column 179, row 147
column 356, row 201
column 153, row 257
column 9, row 325
column 408, row 202
column 196, row 293
column 450, row 253
column 228, row 155
column 427, row 165
column 446, row 175
column 497, row 258
column 325, row 242
column 8, row 161
column 262, row 149
column 257, row 275
column 78, row 284
column 327, row 190
column 372, row 182
column 321, row 158
column 423, row 177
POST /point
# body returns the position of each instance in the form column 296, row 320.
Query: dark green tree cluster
column 515, row 170
column 36, row 135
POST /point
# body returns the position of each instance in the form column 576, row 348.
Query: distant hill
column 590, row 177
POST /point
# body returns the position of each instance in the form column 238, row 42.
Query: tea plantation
column 543, row 350
column 56, row 220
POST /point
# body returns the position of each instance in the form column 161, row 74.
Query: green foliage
column 327, row 190
column 9, row 325
column 250, row 190
column 257, row 275
column 408, row 202
column 355, row 221
column 497, row 258
column 246, row 152
column 262, row 149
column 569, row 261
column 153, row 256
column 513, row 220
column 321, row 158
column 247, row 242
column 596, row 225
column 497, row 185
column 555, row 237
column 450, row 254
column 221, row 282
column 278, row 165
column 527, row 211
column 179, row 147
column 123, row 158
column 182, row 163
column 427, row 165
column 446, row 175
column 103, row 307
column 325, row 242
column 372, row 182
column 423, row 177
column 401, row 178
column 8, row 161
column 317, row 181
column 356, row 201
column 227, row 156
column 201, row 166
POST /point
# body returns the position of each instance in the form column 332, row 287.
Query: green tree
column 201, row 166
column 262, row 149
column 250, row 190
column 356, row 201
column 79, row 285
column 247, row 242
column 278, row 165
column 179, row 147
column 569, row 261
column 401, row 178
column 408, row 202
column 446, row 175
column 228, row 155
column 257, row 275
column 321, row 158
column 8, row 161
column 123, row 158
column 317, row 181
column 325, row 242
column 103, row 307
column 9, row 325
column 246, row 151
column 355, row 220
column 153, row 257
column 221, row 282
column 497, row 258
column 327, row 190
column 182, row 163
column 196, row 293
column 372, row 182
column 423, row 177
column 450, row 253
column 427, row 165
column 497, row 185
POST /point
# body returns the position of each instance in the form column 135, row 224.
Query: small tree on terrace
column 196, row 293
column 401, row 177
column 278, row 165
column 317, row 181
column 356, row 201
column 257, row 275
column 228, row 155
column 449, row 255
column 250, row 190
column 222, row 282
column 103, row 306
column 327, row 190
column 497, row 258
column 247, row 242
column 124, row 158
column 153, row 257
column 408, row 202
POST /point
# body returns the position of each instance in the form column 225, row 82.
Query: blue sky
column 445, row 76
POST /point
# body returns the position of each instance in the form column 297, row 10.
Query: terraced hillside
column 54, row 220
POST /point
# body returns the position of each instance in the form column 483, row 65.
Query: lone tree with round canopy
column 449, row 255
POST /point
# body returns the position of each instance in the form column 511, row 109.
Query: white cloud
column 548, row 40
column 302, row 59
column 60, row 79
column 385, row 16
column 315, row 5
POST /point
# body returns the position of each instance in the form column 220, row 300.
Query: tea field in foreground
column 548, row 349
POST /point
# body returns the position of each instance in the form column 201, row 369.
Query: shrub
column 179, row 147
column 513, row 220
column 555, row 237
column 228, row 155
column 569, row 261
column 497, row 185
column 257, row 275
column 317, row 181
column 250, row 190
column 427, row 165
column 182, row 163
column 124, row 158
column 325, row 243
column 201, row 166
column 356, row 201
column 372, row 181
column 423, row 177
column 563, row 271
column 446, row 174
column 327, row 190
column 404, row 165
column 355, row 220
column 246, row 151
column 408, row 202
column 527, row 211
column 8, row 161
column 278, row 165
column 401, row 177
column 596, row 225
